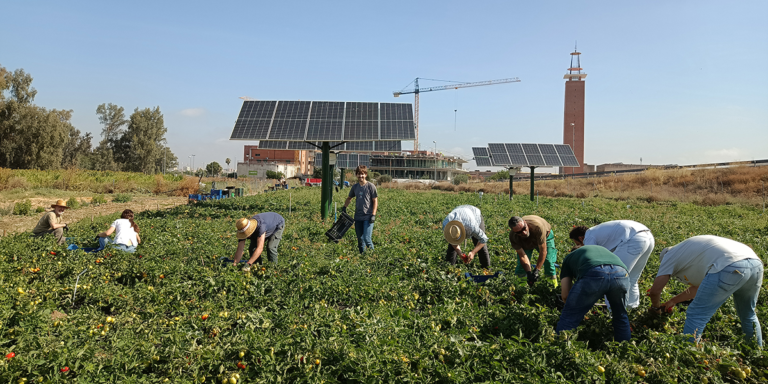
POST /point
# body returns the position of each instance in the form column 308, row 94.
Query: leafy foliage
column 22, row 207
column 73, row 203
column 384, row 179
column 213, row 168
column 122, row 198
column 98, row 199
column 326, row 313
column 460, row 179
column 275, row 175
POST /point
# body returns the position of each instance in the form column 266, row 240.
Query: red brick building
column 253, row 155
column 573, row 121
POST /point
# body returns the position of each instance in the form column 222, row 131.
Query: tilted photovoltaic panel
column 482, row 156
column 516, row 154
column 273, row 145
column 366, row 146
column 533, row 155
column 566, row 155
column 324, row 121
column 388, row 146
column 499, row 155
column 550, row 155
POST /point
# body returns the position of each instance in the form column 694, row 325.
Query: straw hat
column 454, row 232
column 60, row 203
column 245, row 228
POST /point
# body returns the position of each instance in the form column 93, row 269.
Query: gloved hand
column 247, row 267
column 533, row 276
column 344, row 209
column 66, row 227
column 373, row 219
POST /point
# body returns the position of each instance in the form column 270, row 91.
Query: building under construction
column 418, row 165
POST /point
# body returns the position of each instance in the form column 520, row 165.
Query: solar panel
column 352, row 146
column 566, row 155
column 483, row 161
column 499, row 154
column 324, row 121
column 482, row 156
column 346, row 160
column 366, row 146
column 530, row 155
column 388, row 146
column 533, row 154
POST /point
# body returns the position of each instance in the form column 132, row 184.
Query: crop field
column 325, row 314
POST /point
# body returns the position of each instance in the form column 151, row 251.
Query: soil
column 12, row 224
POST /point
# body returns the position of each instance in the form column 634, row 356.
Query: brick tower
column 573, row 121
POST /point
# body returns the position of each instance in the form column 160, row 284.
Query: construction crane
column 416, row 90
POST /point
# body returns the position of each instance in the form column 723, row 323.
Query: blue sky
column 673, row 82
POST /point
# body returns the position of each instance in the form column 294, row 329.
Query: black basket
column 340, row 227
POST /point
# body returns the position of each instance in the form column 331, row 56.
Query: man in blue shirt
column 263, row 228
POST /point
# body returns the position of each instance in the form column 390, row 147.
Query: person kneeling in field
column 262, row 228
column 126, row 233
column 50, row 223
column 631, row 241
column 715, row 268
column 466, row 221
column 598, row 273
column 526, row 234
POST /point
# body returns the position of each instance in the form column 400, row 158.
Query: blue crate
column 481, row 278
column 194, row 196
column 216, row 192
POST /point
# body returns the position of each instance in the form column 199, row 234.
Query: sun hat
column 454, row 232
column 245, row 228
column 60, row 203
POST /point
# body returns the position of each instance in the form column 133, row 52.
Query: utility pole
column 435, row 142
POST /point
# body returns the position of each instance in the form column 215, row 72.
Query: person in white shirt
column 631, row 241
column 715, row 268
column 126, row 233
column 463, row 222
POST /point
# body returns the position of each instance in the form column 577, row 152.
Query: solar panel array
column 324, row 121
column 357, row 146
column 526, row 155
column 346, row 160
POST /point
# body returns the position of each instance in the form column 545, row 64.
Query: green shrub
column 73, row 203
column 275, row 175
column 122, row 198
column 384, row 179
column 22, row 208
column 4, row 211
column 99, row 199
column 460, row 179
column 39, row 209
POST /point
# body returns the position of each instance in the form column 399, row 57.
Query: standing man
column 529, row 233
column 366, row 205
column 598, row 273
column 50, row 223
column 715, row 268
column 263, row 228
column 631, row 241
column 466, row 221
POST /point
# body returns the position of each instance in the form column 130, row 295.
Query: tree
column 500, row 175
column 32, row 136
column 167, row 157
column 112, row 118
column 213, row 168
column 275, row 175
column 145, row 133
column 460, row 179
column 227, row 161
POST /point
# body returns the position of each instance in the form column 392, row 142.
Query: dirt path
column 14, row 224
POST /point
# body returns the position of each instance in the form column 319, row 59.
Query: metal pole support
column 327, row 177
column 532, row 187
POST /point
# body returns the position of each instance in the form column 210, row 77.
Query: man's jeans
column 364, row 231
column 741, row 279
column 104, row 241
column 611, row 281
column 634, row 253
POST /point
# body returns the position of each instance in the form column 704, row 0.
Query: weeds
column 122, row 198
column 22, row 208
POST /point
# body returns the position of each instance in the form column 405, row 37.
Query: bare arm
column 138, row 237
column 56, row 226
column 259, row 248
column 658, row 286
column 542, row 256
column 375, row 205
column 109, row 232
column 686, row 295
column 524, row 260
column 565, row 283
column 347, row 201
column 239, row 252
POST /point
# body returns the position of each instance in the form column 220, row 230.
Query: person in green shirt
column 598, row 273
column 51, row 223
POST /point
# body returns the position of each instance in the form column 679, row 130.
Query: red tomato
column 241, row 365
column 64, row 370
column 53, row 253
column 10, row 356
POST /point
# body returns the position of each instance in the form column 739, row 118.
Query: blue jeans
column 742, row 280
column 364, row 231
column 611, row 281
column 104, row 241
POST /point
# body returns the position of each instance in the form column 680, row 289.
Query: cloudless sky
column 673, row 82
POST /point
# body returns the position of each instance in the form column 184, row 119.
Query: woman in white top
column 126, row 233
column 714, row 268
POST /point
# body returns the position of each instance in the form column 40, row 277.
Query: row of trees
column 38, row 138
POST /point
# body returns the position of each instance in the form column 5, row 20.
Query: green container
column 240, row 192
